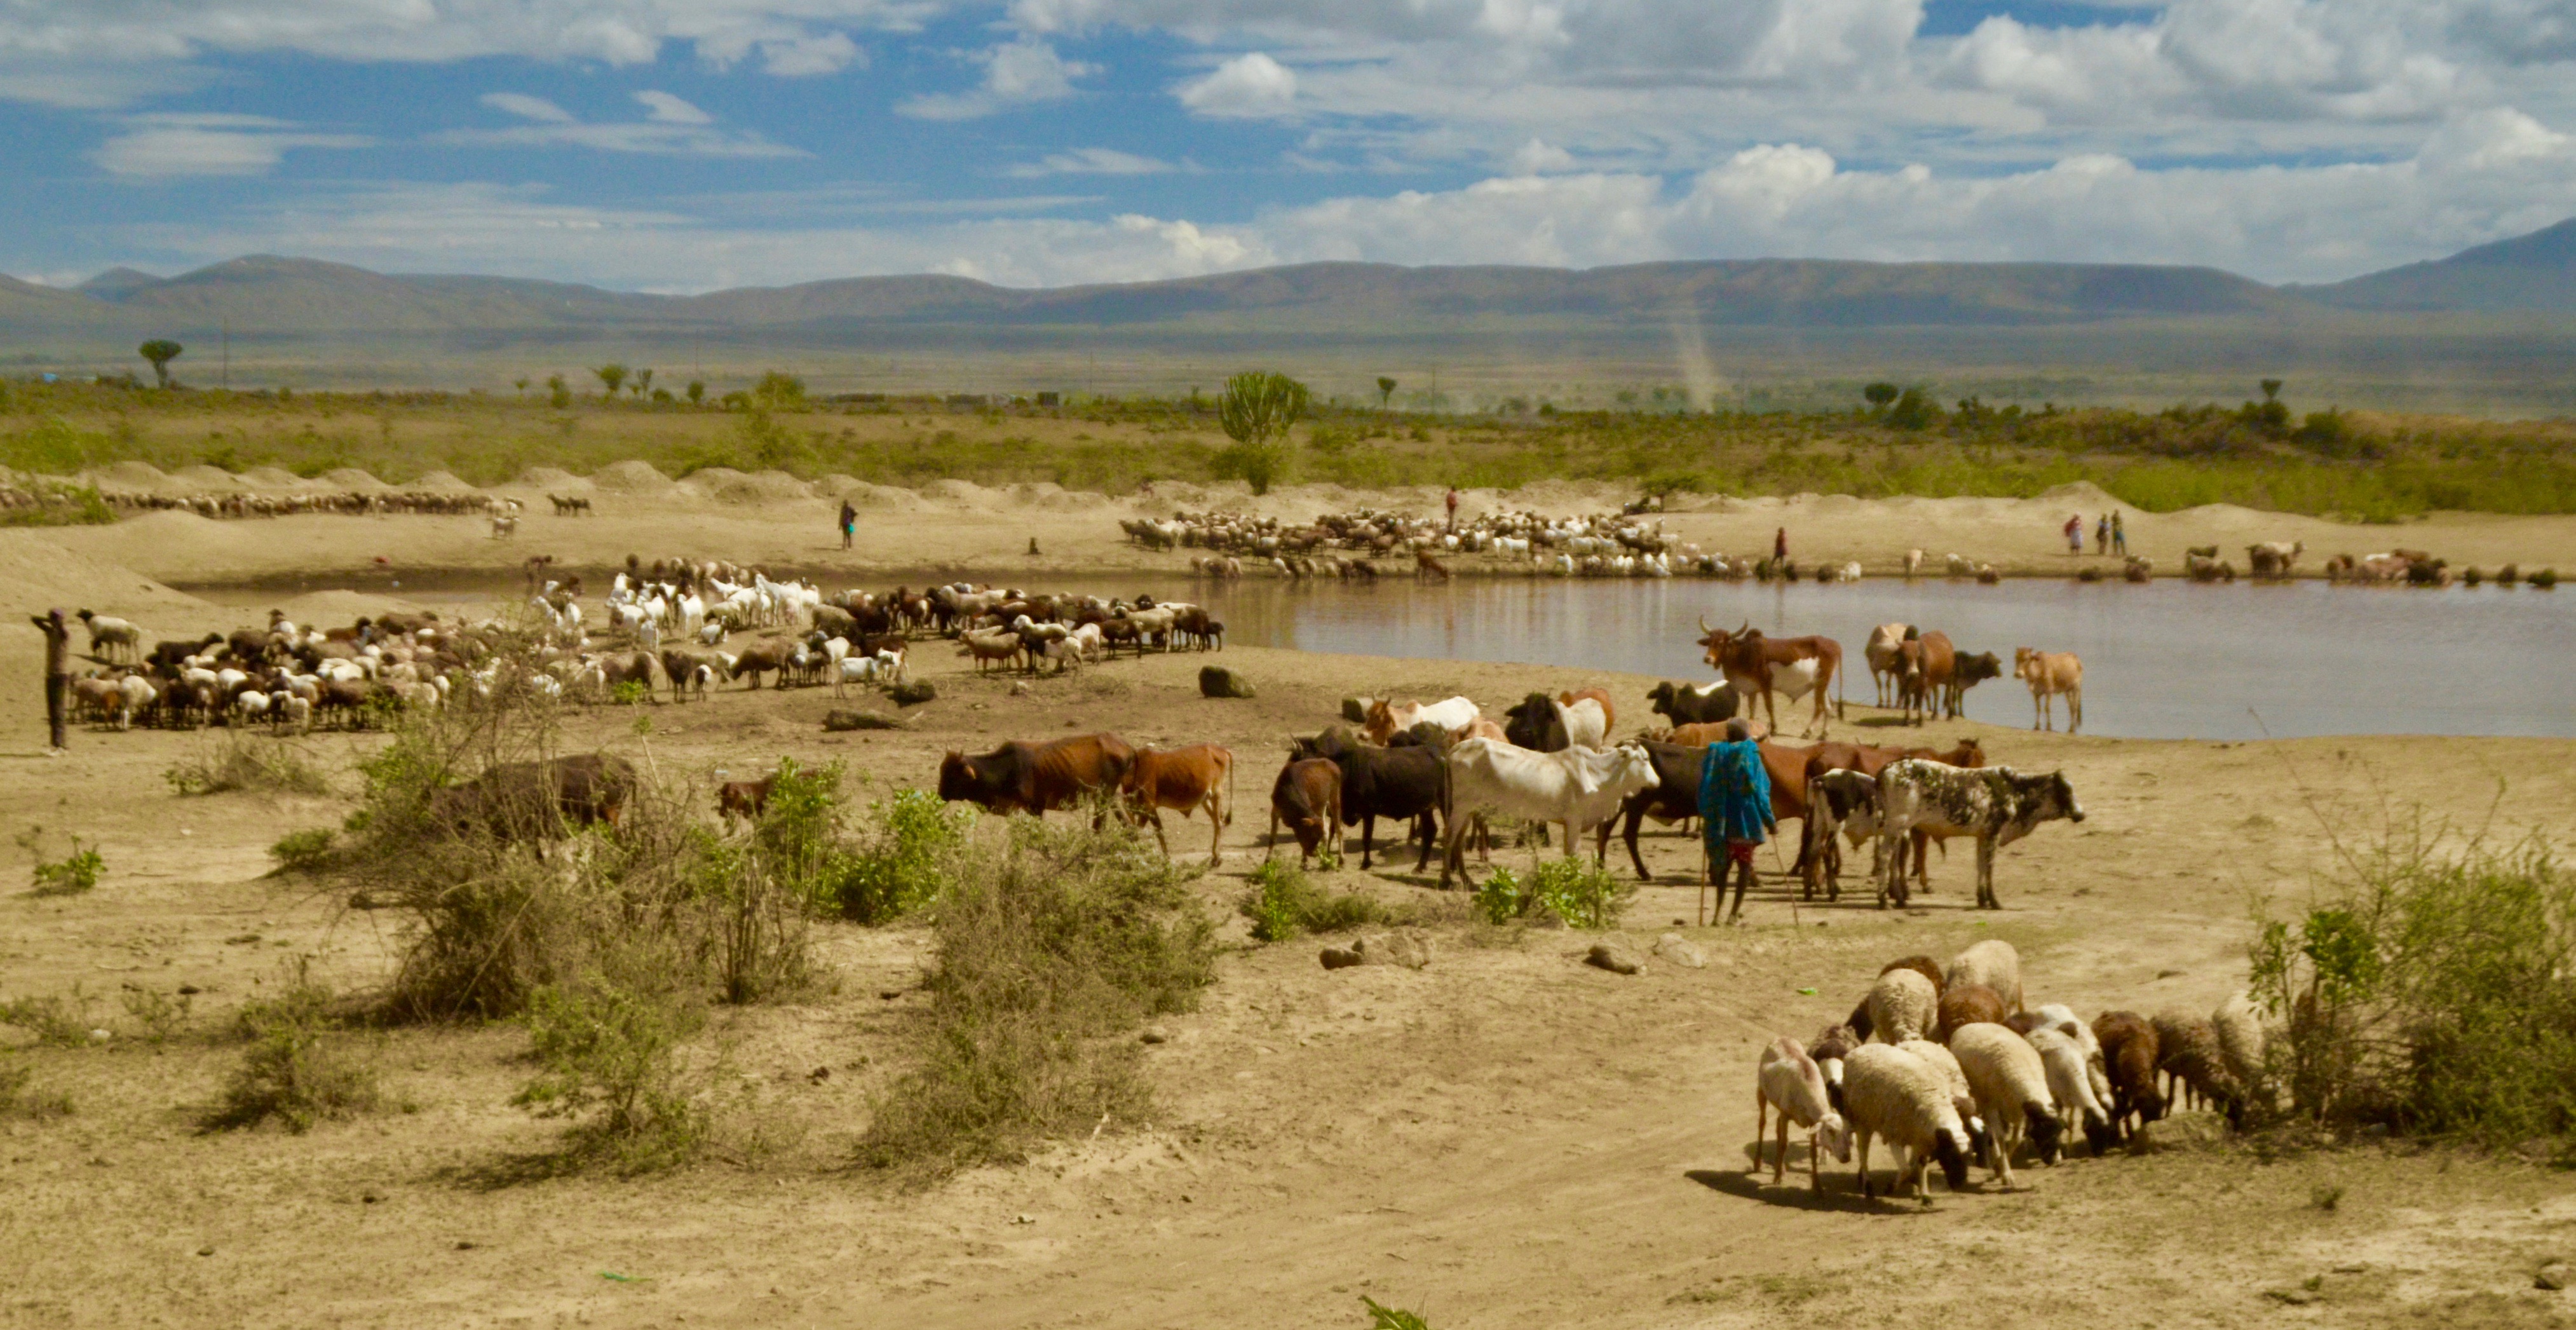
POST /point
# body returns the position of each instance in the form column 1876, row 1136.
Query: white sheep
column 1790, row 1080
column 297, row 710
column 135, row 693
column 1961, row 1097
column 2240, row 1043
column 2096, row 1071
column 1902, row 1005
column 2011, row 1085
column 1892, row 1093
column 105, row 633
column 1993, row 963
column 2070, row 1084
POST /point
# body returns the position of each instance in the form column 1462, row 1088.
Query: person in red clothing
column 2075, row 533
column 1780, row 545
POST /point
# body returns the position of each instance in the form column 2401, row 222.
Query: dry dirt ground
column 1507, row 1138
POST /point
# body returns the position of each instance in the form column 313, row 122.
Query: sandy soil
column 772, row 518
column 1508, row 1138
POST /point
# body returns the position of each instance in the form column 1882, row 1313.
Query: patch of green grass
column 1382, row 1317
column 1282, row 902
column 607, row 1050
column 311, row 850
column 1580, row 892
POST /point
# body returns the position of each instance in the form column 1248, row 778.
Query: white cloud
column 1017, row 73
column 1540, row 157
column 675, row 129
column 804, row 57
column 1091, row 161
column 166, row 146
column 1247, row 85
column 669, row 110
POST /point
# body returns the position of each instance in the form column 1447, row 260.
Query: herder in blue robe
column 1734, row 809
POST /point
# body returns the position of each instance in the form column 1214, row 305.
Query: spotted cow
column 1996, row 805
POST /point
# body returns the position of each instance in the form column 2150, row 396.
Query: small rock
column 1408, row 947
column 465, row 1246
column 1681, row 951
column 1218, row 681
column 101, row 1036
column 2182, row 1131
column 838, row 721
column 1340, row 958
column 1614, row 957
column 912, row 692
column 1020, row 689
column 2291, row 1297
column 368, row 1198
column 205, row 1251
column 1155, row 1034
column 1025, row 1219
column 2552, row 1277
column 819, row 1075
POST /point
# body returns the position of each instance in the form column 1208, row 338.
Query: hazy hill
column 2531, row 272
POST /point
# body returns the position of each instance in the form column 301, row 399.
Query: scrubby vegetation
column 1282, row 903
column 2431, row 990
column 1051, row 944
column 1575, row 892
column 238, row 762
column 76, row 873
column 2260, row 454
column 301, row 1068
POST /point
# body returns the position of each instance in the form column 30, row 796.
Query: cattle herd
column 1443, row 769
column 1345, row 545
column 1953, row 1066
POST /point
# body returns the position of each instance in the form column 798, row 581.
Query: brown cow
column 537, row 800
column 744, row 799
column 1700, row 736
column 2050, row 673
column 1185, row 779
column 1034, row 778
column 1926, row 666
column 1793, row 665
column 1308, row 797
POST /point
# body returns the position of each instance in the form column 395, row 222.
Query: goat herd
column 1953, row 1067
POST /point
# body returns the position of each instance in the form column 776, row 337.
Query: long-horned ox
column 1755, row 664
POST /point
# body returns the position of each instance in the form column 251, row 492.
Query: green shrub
column 159, row 1017
column 299, row 1069
column 2545, row 578
column 1383, row 1317
column 243, row 763
column 2430, row 990
column 905, row 854
column 309, row 851
column 1500, row 899
column 1282, row 902
column 71, row 875
column 56, row 1020
column 607, row 1048
column 20, row 1097
column 1581, row 893
column 1046, row 944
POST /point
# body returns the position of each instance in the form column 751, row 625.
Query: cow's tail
column 1839, row 673
column 1229, row 790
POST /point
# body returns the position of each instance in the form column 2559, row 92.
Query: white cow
column 1577, row 788
column 1388, row 719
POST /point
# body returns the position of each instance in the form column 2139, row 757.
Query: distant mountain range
column 263, row 297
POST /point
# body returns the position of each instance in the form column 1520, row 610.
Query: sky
column 689, row 145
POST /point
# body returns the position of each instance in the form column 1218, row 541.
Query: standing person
column 58, row 669
column 1453, row 507
column 849, row 523
column 2074, row 533
column 2102, row 534
column 1780, row 545
column 2119, row 536
column 1735, row 810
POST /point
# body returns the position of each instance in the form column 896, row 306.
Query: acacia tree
column 160, row 351
column 643, row 382
column 1879, row 394
column 1385, row 391
column 610, row 376
column 1256, row 411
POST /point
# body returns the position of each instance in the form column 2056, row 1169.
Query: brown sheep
column 1968, row 1004
column 2129, row 1055
column 2194, row 1064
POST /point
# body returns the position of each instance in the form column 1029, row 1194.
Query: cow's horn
column 1704, row 629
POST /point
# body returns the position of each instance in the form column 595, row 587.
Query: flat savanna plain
column 1506, row 1138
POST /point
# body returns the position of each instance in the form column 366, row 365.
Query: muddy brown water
column 2164, row 660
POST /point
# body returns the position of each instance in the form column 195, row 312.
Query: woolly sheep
column 1993, row 963
column 1828, row 1052
column 1969, row 1004
column 1960, row 1096
column 2187, row 1053
column 2011, row 1086
column 1892, row 1093
column 2129, row 1050
column 2240, row 1042
column 1922, row 965
column 2064, row 1017
column 2070, row 1084
column 1901, row 1006
column 1789, row 1080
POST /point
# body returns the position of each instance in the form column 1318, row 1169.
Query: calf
column 1035, row 778
column 1388, row 718
column 1997, row 805
column 1308, row 797
column 1409, row 784
column 1185, row 779
column 2050, row 673
column 1578, row 787
column 1968, row 673
column 744, row 799
column 1694, row 703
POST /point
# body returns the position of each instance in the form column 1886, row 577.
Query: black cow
column 1396, row 783
column 1694, row 704
column 1537, row 725
column 1674, row 797
column 1036, row 777
column 1968, row 673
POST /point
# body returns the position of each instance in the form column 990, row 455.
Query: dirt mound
column 552, row 479
column 632, row 477
column 139, row 476
column 332, row 609
column 41, row 573
column 874, row 498
column 441, row 482
column 960, row 494
column 726, row 485
column 203, row 477
column 279, row 479
column 1055, row 498
column 355, row 480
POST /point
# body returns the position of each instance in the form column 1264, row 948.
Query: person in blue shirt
column 1735, row 810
